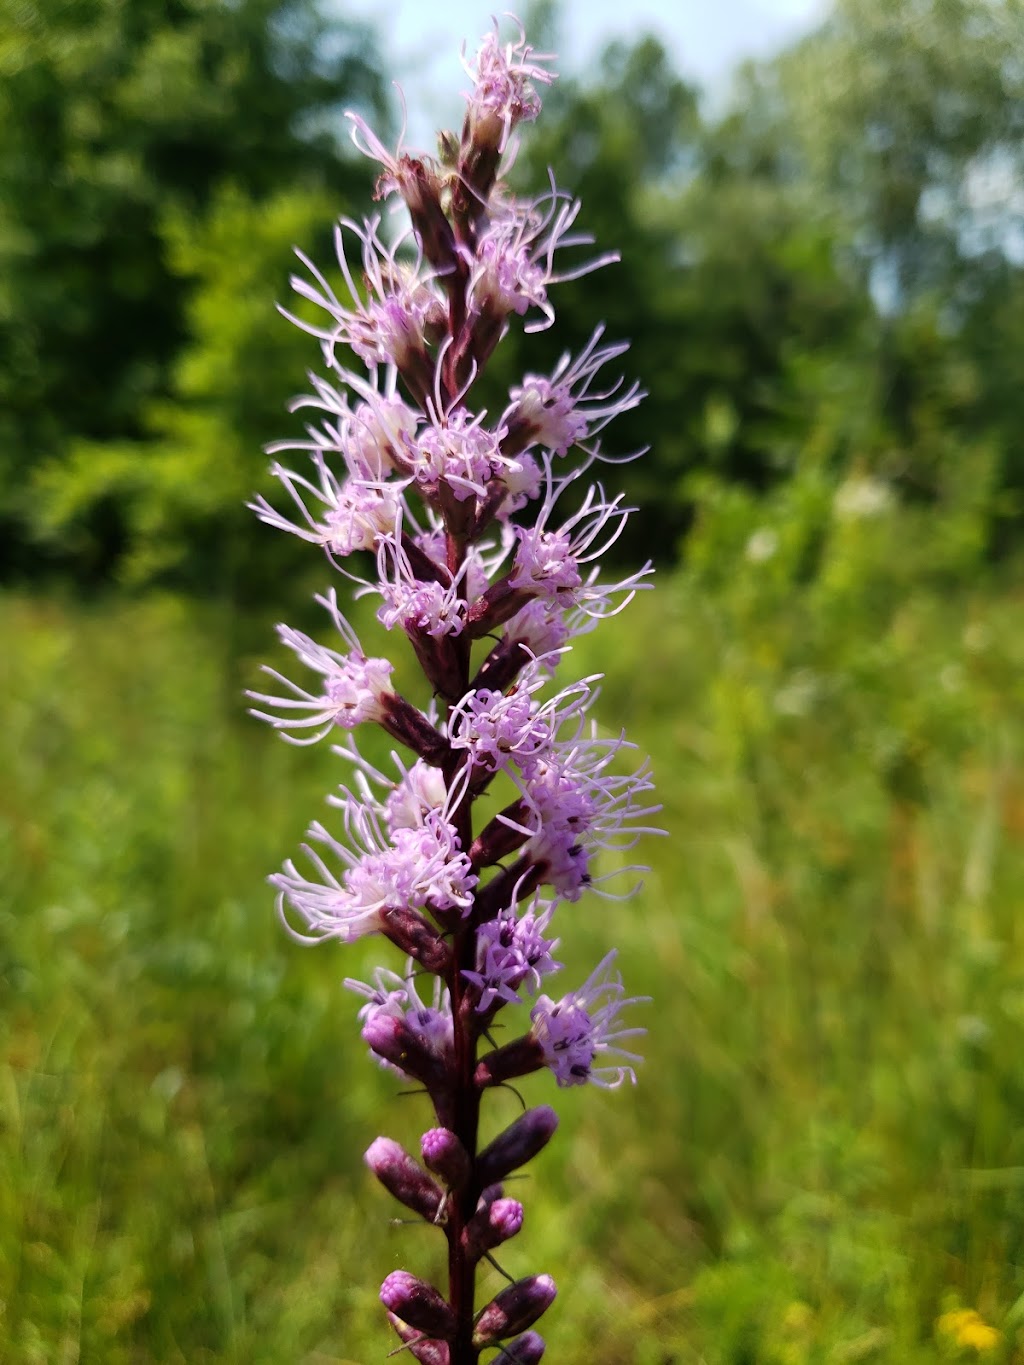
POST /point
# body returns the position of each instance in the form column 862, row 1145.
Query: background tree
column 909, row 119
column 906, row 122
column 115, row 119
column 726, row 276
column 828, row 274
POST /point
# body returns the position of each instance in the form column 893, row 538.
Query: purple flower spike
column 514, row 1309
column 418, row 1304
column 402, row 1177
column 484, row 547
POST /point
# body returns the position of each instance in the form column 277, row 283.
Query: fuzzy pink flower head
column 420, row 791
column 389, row 326
column 356, row 689
column 427, row 606
column 512, row 953
column 440, row 872
column 462, row 453
column 549, row 413
column 508, row 277
column 563, row 810
column 428, row 1023
column 545, row 563
column 522, row 483
column 374, row 434
column 568, row 408
column 388, row 994
column 494, row 727
column 515, row 258
column 420, row 868
column 356, row 512
column 574, row 1032
column 361, row 515
column 541, row 627
column 429, row 1020
column 503, row 94
column 561, row 860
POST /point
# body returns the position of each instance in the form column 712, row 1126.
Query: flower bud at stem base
column 518, row 1144
column 518, row 1058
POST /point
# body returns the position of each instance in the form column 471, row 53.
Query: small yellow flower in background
column 968, row 1329
column 797, row 1334
column 979, row 1335
column 798, row 1317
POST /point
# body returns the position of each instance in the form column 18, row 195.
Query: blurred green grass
column 825, row 1152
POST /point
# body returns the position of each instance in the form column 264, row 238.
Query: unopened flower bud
column 491, row 1225
column 404, row 1178
column 489, row 1194
column 514, row 1309
column 393, row 1041
column 445, row 1155
column 496, row 606
column 518, row 1058
column 518, row 1144
column 409, row 931
column 525, row 1350
column 424, row 1349
column 447, row 147
column 420, row 187
column 418, row 1304
column 501, row 667
column 514, row 883
column 500, row 837
column 410, row 727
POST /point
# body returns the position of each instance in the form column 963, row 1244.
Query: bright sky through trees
column 421, row 41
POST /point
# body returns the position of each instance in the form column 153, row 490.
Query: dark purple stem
column 465, row 1096
column 466, row 1106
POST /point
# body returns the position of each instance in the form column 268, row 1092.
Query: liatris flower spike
column 400, row 464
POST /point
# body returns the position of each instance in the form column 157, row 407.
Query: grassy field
column 824, row 1158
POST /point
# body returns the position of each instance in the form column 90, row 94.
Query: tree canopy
column 118, row 120
column 828, row 275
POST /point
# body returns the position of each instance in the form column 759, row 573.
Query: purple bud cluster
column 502, row 795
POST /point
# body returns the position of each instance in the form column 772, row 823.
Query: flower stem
column 466, row 1098
column 466, row 1106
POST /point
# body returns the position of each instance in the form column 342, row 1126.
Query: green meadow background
column 823, row 1160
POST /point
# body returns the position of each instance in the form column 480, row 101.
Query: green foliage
column 902, row 114
column 181, row 492
column 620, row 141
column 833, row 266
column 115, row 117
column 877, row 159
column 822, row 1161
column 829, row 270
